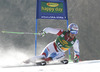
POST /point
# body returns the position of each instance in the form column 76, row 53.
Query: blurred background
column 20, row 16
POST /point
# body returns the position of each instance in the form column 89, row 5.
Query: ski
column 38, row 60
column 64, row 61
column 43, row 63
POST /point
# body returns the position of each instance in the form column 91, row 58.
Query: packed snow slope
column 83, row 66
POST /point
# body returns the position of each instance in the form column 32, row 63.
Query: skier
column 56, row 49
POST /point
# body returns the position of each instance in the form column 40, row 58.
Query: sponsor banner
column 51, row 9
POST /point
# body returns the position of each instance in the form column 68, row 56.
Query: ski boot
column 64, row 61
column 42, row 63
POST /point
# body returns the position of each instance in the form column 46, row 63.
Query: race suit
column 57, row 48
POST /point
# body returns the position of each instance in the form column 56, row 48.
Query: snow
column 83, row 66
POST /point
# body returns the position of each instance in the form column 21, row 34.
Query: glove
column 76, row 59
column 42, row 33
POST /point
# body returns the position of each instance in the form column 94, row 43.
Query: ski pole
column 20, row 32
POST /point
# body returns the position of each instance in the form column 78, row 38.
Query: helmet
column 73, row 28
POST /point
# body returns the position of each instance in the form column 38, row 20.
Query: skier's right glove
column 76, row 59
column 42, row 33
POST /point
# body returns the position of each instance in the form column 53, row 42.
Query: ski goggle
column 74, row 32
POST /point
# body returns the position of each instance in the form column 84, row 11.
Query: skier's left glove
column 76, row 59
column 42, row 33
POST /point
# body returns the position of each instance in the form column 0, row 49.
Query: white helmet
column 73, row 28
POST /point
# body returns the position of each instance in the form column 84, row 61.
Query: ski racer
column 56, row 50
